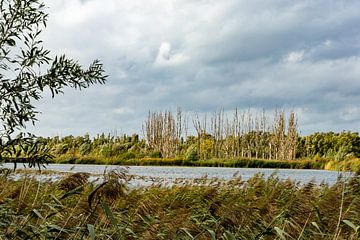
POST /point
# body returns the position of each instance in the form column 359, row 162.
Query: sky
column 202, row 55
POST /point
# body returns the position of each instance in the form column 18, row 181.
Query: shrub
column 155, row 154
column 192, row 154
column 106, row 151
column 61, row 149
column 128, row 155
column 85, row 149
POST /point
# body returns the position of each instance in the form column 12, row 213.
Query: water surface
column 172, row 173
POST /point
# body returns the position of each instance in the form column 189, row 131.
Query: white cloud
column 328, row 43
column 295, row 57
column 166, row 57
column 123, row 110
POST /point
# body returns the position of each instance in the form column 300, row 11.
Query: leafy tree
column 27, row 70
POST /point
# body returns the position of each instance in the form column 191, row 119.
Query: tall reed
column 255, row 209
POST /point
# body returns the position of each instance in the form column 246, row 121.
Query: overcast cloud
column 203, row 55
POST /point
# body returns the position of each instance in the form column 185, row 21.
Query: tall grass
column 352, row 164
column 255, row 209
column 238, row 163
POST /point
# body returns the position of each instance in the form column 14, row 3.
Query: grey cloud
column 266, row 54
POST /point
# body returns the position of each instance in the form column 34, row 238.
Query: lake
column 146, row 174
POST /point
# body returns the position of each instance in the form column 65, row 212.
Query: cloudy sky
column 203, row 55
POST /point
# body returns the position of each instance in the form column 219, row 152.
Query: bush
column 128, row 155
column 106, row 151
column 155, row 154
column 61, row 149
column 192, row 154
column 85, row 149
column 119, row 148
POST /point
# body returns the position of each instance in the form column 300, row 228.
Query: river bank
column 352, row 164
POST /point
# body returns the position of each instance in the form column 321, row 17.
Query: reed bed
column 239, row 163
column 259, row 208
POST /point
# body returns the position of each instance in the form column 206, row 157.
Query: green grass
column 253, row 209
column 352, row 164
column 237, row 163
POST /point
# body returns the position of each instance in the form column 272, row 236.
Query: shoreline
column 352, row 165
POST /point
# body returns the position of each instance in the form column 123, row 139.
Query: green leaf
column 229, row 236
column 187, row 232
column 56, row 228
column 212, row 234
column 317, row 227
column 37, row 213
column 130, row 231
column 91, row 230
column 108, row 213
column 74, row 191
column 352, row 225
column 281, row 233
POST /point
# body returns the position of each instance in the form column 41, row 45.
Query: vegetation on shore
column 246, row 140
column 236, row 163
column 330, row 151
column 320, row 164
column 255, row 209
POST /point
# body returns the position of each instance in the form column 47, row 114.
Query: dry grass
column 253, row 209
column 74, row 181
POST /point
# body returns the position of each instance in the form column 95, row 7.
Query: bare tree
column 246, row 134
column 163, row 132
column 292, row 135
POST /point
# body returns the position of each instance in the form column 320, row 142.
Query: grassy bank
column 255, row 209
column 353, row 164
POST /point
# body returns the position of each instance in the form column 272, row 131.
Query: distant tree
column 26, row 71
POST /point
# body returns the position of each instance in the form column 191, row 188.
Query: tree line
column 219, row 135
column 239, row 134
